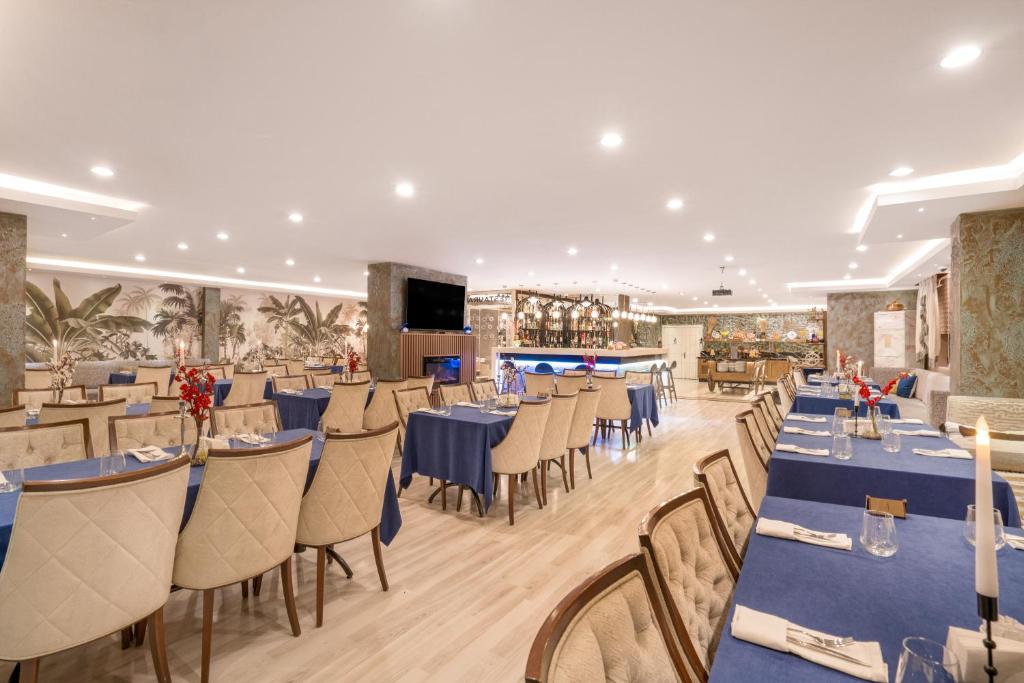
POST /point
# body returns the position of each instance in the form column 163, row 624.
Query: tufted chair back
column 131, row 393
column 755, row 455
column 324, row 380
column 694, row 572
column 217, row 371
column 762, row 427
column 606, row 374
column 161, row 376
column 484, row 389
column 785, row 395
column 455, row 393
column 612, row 627
column 583, row 417
column 556, row 431
column 538, row 383
column 89, row 557
column 797, row 374
column 37, row 378
column 406, row 401
column 33, row 399
column 246, row 388
column 138, row 431
column 12, row 417
column 295, row 367
column 276, row 370
column 163, row 404
column 614, row 403
column 245, row 516
column 765, row 421
column 519, row 451
column 570, row 384
column 96, row 413
column 734, row 514
column 344, row 412
column 347, row 493
column 255, row 418
column 357, row 376
column 382, row 410
column 290, row 382
column 44, row 444
column 638, row 377
column 773, row 410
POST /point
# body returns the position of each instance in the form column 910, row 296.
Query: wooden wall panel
column 414, row 346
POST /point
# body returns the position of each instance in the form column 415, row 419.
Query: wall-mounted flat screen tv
column 434, row 305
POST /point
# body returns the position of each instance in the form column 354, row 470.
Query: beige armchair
column 246, row 388
column 554, row 443
column 539, row 383
column 131, row 393
column 290, row 382
column 295, row 367
column 382, row 410
column 14, row 416
column 38, row 378
column 605, row 374
column 255, row 418
column 519, row 452
column 785, row 395
column 425, row 382
column 357, row 376
column 39, row 445
column 773, row 408
column 570, row 384
column 638, row 377
column 217, row 371
column 243, row 524
column 344, row 412
column 88, row 558
column 324, row 380
column 767, row 421
column 455, row 393
column 483, row 389
column 96, row 413
column 164, row 404
column 734, row 513
column 344, row 500
column 614, row 408
column 583, row 418
column 162, row 430
column 407, row 401
column 160, row 375
column 276, row 370
column 694, row 571
column 762, row 426
column 33, row 399
column 755, row 454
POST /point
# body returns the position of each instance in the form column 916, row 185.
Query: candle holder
column 988, row 610
column 181, row 416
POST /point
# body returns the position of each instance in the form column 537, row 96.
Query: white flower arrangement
column 62, row 370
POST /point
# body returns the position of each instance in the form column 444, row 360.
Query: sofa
column 928, row 402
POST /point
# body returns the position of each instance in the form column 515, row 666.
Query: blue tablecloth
column 303, row 410
column 938, row 487
column 812, row 370
column 643, row 405
column 222, row 386
column 455, row 448
column 819, row 405
column 390, row 520
column 121, row 378
column 927, row 586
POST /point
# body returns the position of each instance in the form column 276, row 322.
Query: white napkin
column 252, row 439
column 805, row 432
column 791, row 448
column 907, row 421
column 1016, row 542
column 3, row 480
column 911, row 432
column 150, row 454
column 788, row 531
column 770, row 631
column 970, row 651
column 468, row 404
column 429, row 411
column 290, row 392
column 807, row 389
column 806, row 418
column 944, row 453
column 503, row 413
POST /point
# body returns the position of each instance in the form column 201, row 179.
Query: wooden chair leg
column 378, row 557
column 245, row 589
column 458, row 505
column 586, row 453
column 444, row 494
column 158, row 646
column 649, row 432
column 28, row 671
column 207, row 634
column 289, row 595
column 321, row 577
column 496, row 485
column 572, row 467
column 511, row 499
column 126, row 637
column 536, row 489
column 544, row 483
column 257, row 584
column 597, row 425
column 625, row 434
column 140, row 632
column 565, row 481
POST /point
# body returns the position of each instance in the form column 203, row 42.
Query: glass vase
column 873, row 431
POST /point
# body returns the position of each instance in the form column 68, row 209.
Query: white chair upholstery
column 483, row 389
column 33, row 399
column 767, row 421
column 159, row 375
column 583, row 418
column 96, row 413
column 768, row 400
column 289, row 382
column 786, row 397
column 638, row 377
column 761, row 420
column 88, row 558
column 408, row 400
column 425, row 382
column 570, row 384
column 39, row 445
column 162, row 430
column 554, row 443
column 455, row 393
column 734, row 513
column 539, row 383
column 344, row 412
column 38, row 378
column 13, row 417
column 256, row 418
column 519, row 451
column 131, row 393
column 346, row 496
column 614, row 406
column 246, row 388
column 755, row 455
column 163, row 404
column 382, row 410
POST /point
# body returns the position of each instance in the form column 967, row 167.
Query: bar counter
column 639, row 358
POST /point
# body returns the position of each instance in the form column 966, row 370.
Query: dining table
column 923, row 589
column 818, row 404
column 934, row 486
column 390, row 519
column 128, row 376
column 303, row 408
column 643, row 404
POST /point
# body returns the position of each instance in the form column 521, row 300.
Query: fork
column 826, row 650
column 827, row 642
column 823, row 535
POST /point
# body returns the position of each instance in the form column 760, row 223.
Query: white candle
column 837, row 360
column 986, row 580
column 860, row 366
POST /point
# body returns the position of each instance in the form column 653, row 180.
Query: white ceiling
column 770, row 119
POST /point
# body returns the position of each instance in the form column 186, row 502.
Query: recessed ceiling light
column 615, row 266
column 694, row 298
column 295, row 217
column 708, row 237
column 899, row 237
column 729, row 258
column 862, row 247
column 140, row 258
column 920, row 209
column 852, row 265
column 289, row 262
column 611, row 140
column 846, row 277
column 960, row 56
column 901, row 171
column 183, row 246
column 705, row 303
column 715, row 306
column 674, row 204
column 92, row 218
column 316, row 278
column 759, row 289
column 64, row 235
column 404, row 188
column 764, row 296
column 743, row 272
column 240, row 270
column 479, row 261
column 222, row 236
column 366, row 272
column 102, row 171
column 919, row 274
column 530, row 274
column 572, row 251
column 752, row 281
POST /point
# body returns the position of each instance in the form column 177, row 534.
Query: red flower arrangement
column 196, row 391
column 353, row 360
column 590, row 361
column 865, row 391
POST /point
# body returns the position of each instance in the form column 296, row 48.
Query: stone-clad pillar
column 211, row 323
column 624, row 332
column 13, row 238
column 986, row 351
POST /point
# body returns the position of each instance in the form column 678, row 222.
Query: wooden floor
column 467, row 594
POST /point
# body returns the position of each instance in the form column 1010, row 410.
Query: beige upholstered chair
column 773, row 410
column 324, row 380
column 612, row 627
column 33, row 399
column 455, row 393
column 762, row 425
column 243, row 525
column 295, row 367
column 37, row 378
column 483, row 389
column 161, row 376
column 425, row 382
column 579, row 434
column 406, row 401
column 755, row 454
column 228, row 370
column 131, row 393
column 96, row 413
column 570, row 384
column 382, row 410
column 344, row 412
column 290, row 382
column 163, row 404
column 278, row 370
column 554, row 444
column 695, row 572
column 606, row 374
column 797, row 374
column 246, row 388
column 785, row 395
column 162, row 430
column 638, row 377
column 614, row 407
column 539, row 383
column 357, row 376
column 519, row 451
column 217, row 371
column 767, row 421
column 13, row 416
column 255, row 418
column 345, row 499
column 39, row 445
column 573, row 373
column 734, row 513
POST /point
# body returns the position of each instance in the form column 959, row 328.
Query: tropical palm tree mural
column 139, row 301
column 85, row 329
column 280, row 314
column 317, row 334
column 180, row 315
column 232, row 327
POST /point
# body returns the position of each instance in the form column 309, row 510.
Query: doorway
column 683, row 343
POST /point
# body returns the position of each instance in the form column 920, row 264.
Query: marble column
column 986, row 304
column 211, row 324
column 13, row 239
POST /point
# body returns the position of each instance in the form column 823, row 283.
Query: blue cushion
column 906, row 386
column 544, row 368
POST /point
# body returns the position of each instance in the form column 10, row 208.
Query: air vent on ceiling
column 722, row 289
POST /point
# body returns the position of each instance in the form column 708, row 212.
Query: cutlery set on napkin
column 944, row 453
column 290, row 392
column 150, row 454
column 251, row 439
column 912, row 432
column 790, row 448
column 805, row 432
column 466, row 404
column 807, row 418
column 792, row 532
column 1015, row 542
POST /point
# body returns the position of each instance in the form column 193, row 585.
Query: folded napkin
column 3, row 480
column 503, row 413
column 792, row 532
column 252, row 439
column 776, row 633
column 907, row 421
column 807, row 389
column 792, row 448
column 969, row 648
column 290, row 392
column 912, row 432
column 150, row 454
column 1016, row 542
column 807, row 418
column 944, row 453
column 467, row 404
column 805, row 432
column 430, row 411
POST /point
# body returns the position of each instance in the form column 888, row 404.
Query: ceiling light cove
column 960, row 56
column 708, row 237
column 674, row 204
column 901, row 171
column 295, row 217
column 183, row 246
column 102, row 171
column 611, row 140
column 405, row 189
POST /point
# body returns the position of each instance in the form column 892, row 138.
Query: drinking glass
column 838, row 422
column 878, row 533
column 14, row 479
column 320, row 435
column 971, row 521
column 842, row 446
column 444, row 409
column 112, row 464
column 884, row 423
column 890, row 441
column 925, row 661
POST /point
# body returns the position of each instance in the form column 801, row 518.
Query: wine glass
column 970, row 526
column 925, row 661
